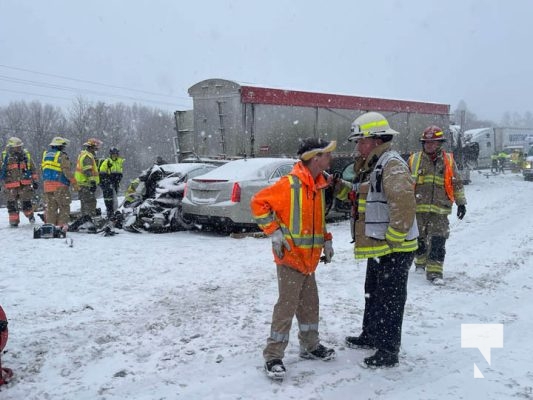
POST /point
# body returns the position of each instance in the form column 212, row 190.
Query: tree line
column 140, row 133
column 509, row 119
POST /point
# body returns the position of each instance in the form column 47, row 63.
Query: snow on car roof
column 247, row 169
column 181, row 167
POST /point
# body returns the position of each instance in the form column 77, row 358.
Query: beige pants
column 298, row 295
column 87, row 201
column 58, row 206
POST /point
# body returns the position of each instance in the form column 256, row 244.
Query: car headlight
column 527, row 165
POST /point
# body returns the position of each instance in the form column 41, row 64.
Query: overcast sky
column 445, row 51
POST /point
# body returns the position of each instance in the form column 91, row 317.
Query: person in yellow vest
column 437, row 186
column 494, row 163
column 502, row 158
column 20, row 180
column 57, row 178
column 87, row 177
column 110, row 176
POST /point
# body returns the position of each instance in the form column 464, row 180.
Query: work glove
column 461, row 211
column 93, row 187
column 279, row 242
column 35, row 185
column 328, row 251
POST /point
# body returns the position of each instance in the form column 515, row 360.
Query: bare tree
column 44, row 122
column 13, row 119
column 79, row 121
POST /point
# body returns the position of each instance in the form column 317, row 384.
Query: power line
column 90, row 82
column 34, row 94
column 77, row 90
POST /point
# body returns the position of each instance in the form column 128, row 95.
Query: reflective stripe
column 435, row 267
column 382, row 250
column 374, row 124
column 308, row 327
column 433, row 179
column 415, row 160
column 361, row 204
column 305, row 241
column 393, row 235
column 295, row 223
column 263, row 220
column 432, row 208
column 279, row 337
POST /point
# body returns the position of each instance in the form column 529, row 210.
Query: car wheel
column 178, row 222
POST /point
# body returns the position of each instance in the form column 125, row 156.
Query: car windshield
column 348, row 173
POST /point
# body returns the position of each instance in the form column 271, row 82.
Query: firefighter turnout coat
column 17, row 169
column 438, row 184
column 385, row 219
column 296, row 205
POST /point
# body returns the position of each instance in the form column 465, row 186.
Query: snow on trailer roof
column 246, row 169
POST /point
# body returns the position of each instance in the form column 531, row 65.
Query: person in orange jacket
column 292, row 213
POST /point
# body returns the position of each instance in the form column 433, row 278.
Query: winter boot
column 420, row 268
column 381, row 359
column 320, row 353
column 435, row 278
column 275, row 369
column 359, row 342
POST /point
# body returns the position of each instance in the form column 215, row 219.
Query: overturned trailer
column 230, row 120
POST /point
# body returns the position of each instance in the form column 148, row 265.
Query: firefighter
column 438, row 186
column 20, row 180
column 110, row 176
column 57, row 180
column 385, row 235
column 87, row 177
column 299, row 235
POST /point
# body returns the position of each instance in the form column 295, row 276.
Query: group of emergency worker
column 19, row 174
column 400, row 212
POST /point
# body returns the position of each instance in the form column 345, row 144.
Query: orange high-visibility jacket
column 296, row 205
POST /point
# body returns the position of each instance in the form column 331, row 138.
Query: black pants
column 108, row 190
column 385, row 296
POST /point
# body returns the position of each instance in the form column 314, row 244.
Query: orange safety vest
column 295, row 204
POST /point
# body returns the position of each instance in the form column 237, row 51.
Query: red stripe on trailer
column 260, row 95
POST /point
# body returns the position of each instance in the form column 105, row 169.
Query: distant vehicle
column 497, row 139
column 155, row 205
column 220, row 199
column 527, row 167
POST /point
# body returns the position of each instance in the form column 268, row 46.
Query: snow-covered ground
column 185, row 315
